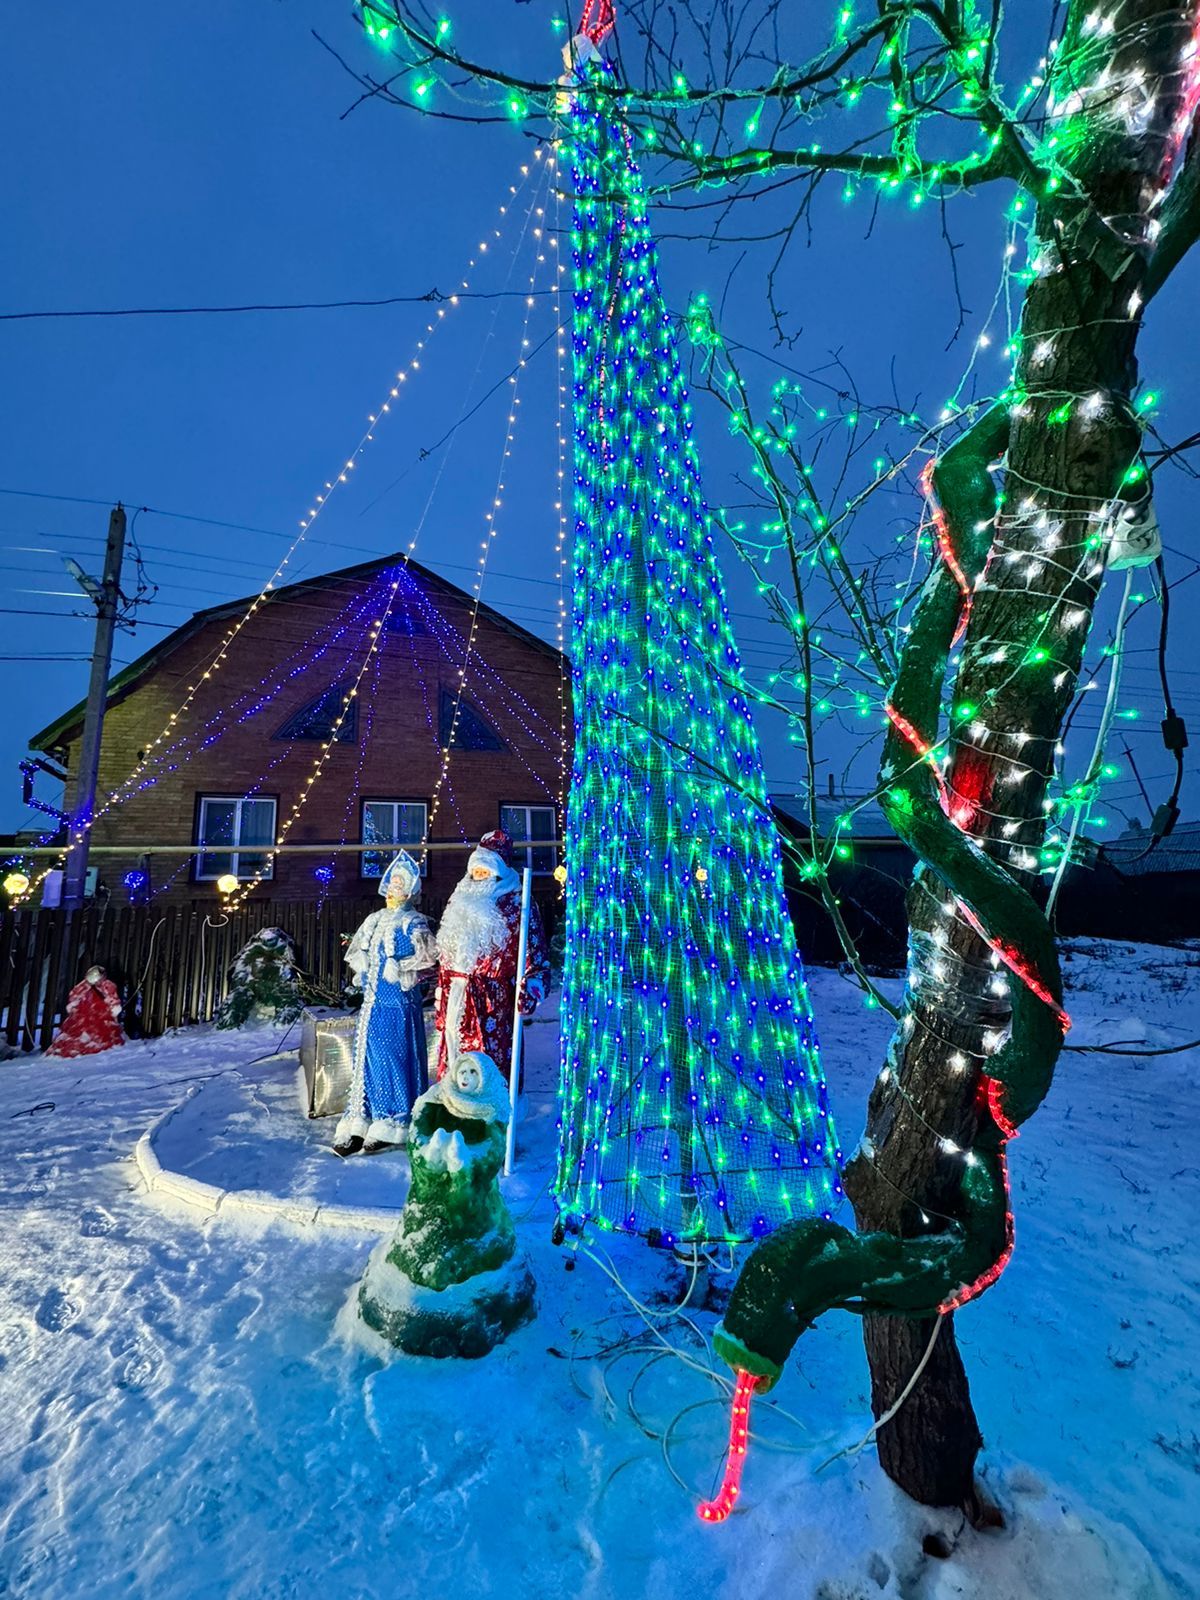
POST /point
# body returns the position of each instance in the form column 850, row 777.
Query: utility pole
column 107, row 598
column 1138, row 776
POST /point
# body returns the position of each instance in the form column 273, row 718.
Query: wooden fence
column 171, row 964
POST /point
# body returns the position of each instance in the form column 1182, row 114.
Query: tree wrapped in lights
column 1029, row 491
column 692, row 1100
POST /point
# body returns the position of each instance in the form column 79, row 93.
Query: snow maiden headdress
column 402, row 877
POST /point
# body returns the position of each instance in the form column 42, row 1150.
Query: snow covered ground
column 181, row 1419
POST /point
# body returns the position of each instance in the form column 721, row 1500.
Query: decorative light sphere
column 227, row 883
column 560, row 873
column 16, row 884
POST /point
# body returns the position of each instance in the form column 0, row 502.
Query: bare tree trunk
column 1072, row 440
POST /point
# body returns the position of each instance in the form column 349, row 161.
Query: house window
column 401, row 619
column 318, row 718
column 526, row 825
column 232, row 833
column 470, row 731
column 391, row 823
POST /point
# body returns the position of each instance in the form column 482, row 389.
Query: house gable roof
column 122, row 683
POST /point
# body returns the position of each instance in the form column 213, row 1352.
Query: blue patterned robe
column 387, row 954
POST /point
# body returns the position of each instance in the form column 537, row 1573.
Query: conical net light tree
column 693, row 1105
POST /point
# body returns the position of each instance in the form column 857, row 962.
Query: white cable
column 853, row 1449
column 1106, row 719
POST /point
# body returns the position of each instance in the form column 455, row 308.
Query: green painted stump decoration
column 450, row 1281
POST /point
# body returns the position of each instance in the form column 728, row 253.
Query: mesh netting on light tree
column 693, row 1105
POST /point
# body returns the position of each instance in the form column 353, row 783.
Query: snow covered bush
column 263, row 982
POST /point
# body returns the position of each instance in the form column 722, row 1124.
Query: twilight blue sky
column 163, row 156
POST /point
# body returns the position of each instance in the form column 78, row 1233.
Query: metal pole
column 514, row 1067
column 108, row 600
column 1138, row 776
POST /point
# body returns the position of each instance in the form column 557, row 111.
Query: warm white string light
column 319, row 503
column 491, row 517
column 249, row 885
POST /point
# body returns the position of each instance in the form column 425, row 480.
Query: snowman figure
column 450, row 1282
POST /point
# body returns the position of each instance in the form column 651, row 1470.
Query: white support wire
column 1097, row 759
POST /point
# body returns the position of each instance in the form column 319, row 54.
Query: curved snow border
column 244, row 1204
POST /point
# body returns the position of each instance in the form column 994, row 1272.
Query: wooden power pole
column 107, row 597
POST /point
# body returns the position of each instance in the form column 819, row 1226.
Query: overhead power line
column 431, row 296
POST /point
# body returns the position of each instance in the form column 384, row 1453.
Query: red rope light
column 913, row 737
column 946, row 549
column 993, row 1091
column 1016, row 964
column 716, row 1510
column 598, row 20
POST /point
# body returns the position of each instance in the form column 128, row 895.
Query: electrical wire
column 430, row 297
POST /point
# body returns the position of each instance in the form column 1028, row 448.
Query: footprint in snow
column 96, row 1222
column 138, row 1367
column 56, row 1311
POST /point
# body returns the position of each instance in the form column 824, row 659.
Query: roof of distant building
column 1135, row 853
column 860, row 814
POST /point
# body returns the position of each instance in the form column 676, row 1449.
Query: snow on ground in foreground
column 180, row 1420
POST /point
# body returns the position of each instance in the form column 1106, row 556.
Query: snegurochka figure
column 389, row 955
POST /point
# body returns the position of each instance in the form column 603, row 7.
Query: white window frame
column 237, row 849
column 393, row 844
column 523, row 849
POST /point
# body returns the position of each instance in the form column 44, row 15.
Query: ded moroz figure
column 478, row 939
column 389, row 955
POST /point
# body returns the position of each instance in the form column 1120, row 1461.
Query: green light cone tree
column 693, row 1105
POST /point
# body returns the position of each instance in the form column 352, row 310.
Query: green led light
column 682, row 985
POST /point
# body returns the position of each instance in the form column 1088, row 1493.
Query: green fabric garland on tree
column 810, row 1267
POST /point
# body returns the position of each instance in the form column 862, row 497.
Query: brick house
column 220, row 782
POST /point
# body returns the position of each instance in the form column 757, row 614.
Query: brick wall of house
column 513, row 682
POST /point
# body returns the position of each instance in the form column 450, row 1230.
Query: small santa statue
column 93, row 1017
column 478, row 981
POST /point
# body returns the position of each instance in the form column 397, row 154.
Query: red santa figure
column 477, row 951
column 92, row 1019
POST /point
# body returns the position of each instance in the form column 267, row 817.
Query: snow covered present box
column 326, row 1060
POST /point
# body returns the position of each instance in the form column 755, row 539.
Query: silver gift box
column 327, row 1060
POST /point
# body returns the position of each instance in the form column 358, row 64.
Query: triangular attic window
column 472, row 731
column 316, row 720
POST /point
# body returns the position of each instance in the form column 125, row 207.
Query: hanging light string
column 206, row 671
column 273, row 683
column 325, row 872
column 500, row 698
column 436, row 737
column 491, row 517
column 299, row 660
column 562, row 535
column 375, row 633
column 438, row 625
column 217, row 726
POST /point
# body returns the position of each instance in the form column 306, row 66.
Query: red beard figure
column 91, row 1022
column 477, row 949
